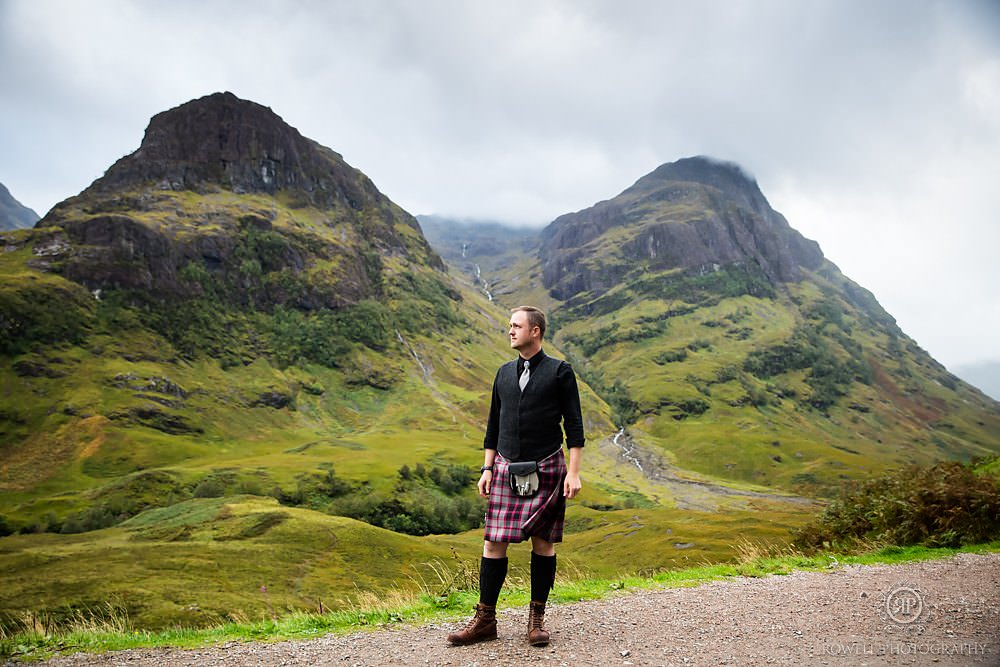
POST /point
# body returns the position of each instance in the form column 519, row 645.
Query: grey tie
column 523, row 380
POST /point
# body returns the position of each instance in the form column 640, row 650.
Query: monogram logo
column 904, row 607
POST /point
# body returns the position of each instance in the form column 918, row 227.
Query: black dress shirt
column 528, row 425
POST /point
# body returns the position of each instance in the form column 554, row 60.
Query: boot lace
column 474, row 620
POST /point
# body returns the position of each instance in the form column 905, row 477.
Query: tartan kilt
column 513, row 518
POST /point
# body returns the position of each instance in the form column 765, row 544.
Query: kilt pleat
column 513, row 518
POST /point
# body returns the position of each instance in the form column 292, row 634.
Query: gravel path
column 944, row 612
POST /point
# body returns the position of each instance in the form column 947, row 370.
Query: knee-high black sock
column 543, row 576
column 492, row 572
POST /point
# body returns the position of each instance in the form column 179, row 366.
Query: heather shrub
column 947, row 504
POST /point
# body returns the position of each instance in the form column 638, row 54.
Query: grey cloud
column 852, row 115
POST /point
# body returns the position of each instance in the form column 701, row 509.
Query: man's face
column 521, row 333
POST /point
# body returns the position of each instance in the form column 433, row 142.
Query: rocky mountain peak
column 223, row 141
column 726, row 177
column 694, row 214
column 702, row 169
column 224, row 188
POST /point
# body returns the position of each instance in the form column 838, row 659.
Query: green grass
column 73, row 439
column 440, row 599
column 203, row 560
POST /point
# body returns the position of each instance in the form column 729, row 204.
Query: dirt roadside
column 944, row 612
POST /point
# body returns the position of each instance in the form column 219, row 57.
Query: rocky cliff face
column 224, row 188
column 690, row 214
column 14, row 214
column 221, row 140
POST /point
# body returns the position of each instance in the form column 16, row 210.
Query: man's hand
column 485, row 481
column 572, row 485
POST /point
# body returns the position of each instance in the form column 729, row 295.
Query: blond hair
column 536, row 318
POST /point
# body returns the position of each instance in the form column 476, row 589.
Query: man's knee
column 494, row 549
column 542, row 547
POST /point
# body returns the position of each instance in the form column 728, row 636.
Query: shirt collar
column 532, row 363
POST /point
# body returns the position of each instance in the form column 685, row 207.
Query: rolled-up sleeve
column 492, row 438
column 569, row 404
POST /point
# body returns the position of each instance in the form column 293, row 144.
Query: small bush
column 315, row 490
column 945, row 505
column 671, row 356
column 758, row 397
column 691, row 408
column 699, row 344
column 726, row 374
column 210, row 488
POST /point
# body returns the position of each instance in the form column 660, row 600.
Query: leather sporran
column 524, row 478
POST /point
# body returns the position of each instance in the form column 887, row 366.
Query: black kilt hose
column 513, row 518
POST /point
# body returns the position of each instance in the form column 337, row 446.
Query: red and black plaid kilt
column 513, row 518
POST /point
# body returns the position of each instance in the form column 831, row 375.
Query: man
column 531, row 396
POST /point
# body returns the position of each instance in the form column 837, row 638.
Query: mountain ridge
column 14, row 214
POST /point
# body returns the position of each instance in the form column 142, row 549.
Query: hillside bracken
column 948, row 504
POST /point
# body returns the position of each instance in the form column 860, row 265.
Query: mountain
column 692, row 214
column 237, row 378
column 728, row 345
column 985, row 375
column 268, row 196
column 233, row 354
column 14, row 214
column 228, row 282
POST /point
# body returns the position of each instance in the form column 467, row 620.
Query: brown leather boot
column 537, row 635
column 481, row 628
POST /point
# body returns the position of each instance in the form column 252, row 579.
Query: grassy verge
column 109, row 629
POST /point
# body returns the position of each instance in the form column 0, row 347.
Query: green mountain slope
column 728, row 345
column 14, row 214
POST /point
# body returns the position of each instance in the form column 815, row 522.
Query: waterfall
column 423, row 369
column 485, row 284
column 627, row 448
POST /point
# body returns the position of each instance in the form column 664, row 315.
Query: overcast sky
column 873, row 125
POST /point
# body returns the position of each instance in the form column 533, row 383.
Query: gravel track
column 839, row 617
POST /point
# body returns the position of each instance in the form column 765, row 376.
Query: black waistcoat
column 530, row 421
